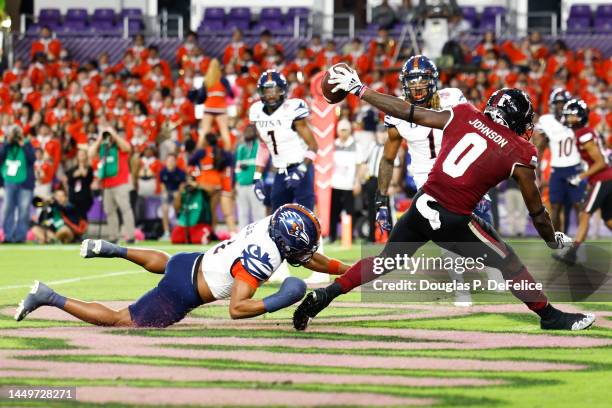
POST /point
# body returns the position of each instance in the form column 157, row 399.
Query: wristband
column 333, row 267
column 362, row 91
column 310, row 155
column 411, row 115
column 257, row 175
column 539, row 212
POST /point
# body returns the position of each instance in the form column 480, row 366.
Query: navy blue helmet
column 578, row 108
column 277, row 84
column 513, row 109
column 558, row 96
column 296, row 231
column 419, row 78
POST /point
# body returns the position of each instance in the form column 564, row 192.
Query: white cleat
column 317, row 278
column 38, row 296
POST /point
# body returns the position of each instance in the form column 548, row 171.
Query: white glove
column 574, row 180
column 562, row 240
column 346, row 80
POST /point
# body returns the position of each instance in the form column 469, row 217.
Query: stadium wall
column 149, row 7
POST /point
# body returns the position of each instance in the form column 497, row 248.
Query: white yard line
column 72, row 280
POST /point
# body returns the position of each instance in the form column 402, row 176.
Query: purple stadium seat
column 33, row 30
column 75, row 26
column 134, row 26
column 303, row 12
column 79, row 14
column 603, row 23
column 271, row 13
column 211, row 27
column 131, row 12
column 470, row 15
column 214, row 13
column 240, row 24
column 103, row 14
column 580, row 10
column 487, row 23
column 491, row 11
column 239, row 13
column 604, row 10
column 49, row 16
column 577, row 24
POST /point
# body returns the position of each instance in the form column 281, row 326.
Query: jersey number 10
column 475, row 146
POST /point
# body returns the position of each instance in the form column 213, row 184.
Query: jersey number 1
column 475, row 146
column 271, row 134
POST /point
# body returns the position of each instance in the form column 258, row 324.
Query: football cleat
column 40, row 295
column 98, row 248
column 568, row 321
column 314, row 302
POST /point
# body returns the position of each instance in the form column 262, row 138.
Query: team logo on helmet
column 294, row 226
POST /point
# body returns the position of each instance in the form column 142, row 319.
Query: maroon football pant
column 465, row 235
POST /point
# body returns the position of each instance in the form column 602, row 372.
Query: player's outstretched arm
column 526, row 180
column 243, row 306
column 401, row 109
column 324, row 264
column 346, row 79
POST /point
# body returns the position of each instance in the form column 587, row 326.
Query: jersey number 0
column 475, row 146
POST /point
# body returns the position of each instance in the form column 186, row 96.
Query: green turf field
column 355, row 353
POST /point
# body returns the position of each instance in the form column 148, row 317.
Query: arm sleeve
column 263, row 155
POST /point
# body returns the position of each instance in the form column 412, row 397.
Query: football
column 326, row 87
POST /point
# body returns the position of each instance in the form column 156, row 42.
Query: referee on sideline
column 372, row 165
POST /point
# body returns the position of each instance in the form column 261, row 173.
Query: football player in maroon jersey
column 479, row 150
column 575, row 115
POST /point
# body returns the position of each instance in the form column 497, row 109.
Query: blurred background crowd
column 150, row 147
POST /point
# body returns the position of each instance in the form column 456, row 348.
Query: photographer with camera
column 59, row 221
column 113, row 151
column 17, row 159
column 192, row 206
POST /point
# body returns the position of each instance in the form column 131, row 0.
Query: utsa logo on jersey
column 257, row 262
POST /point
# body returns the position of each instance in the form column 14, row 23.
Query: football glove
column 383, row 216
column 346, row 80
column 295, row 175
column 561, row 241
column 574, row 180
column 259, row 190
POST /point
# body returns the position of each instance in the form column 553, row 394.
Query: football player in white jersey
column 281, row 124
column 419, row 79
column 232, row 269
column 565, row 160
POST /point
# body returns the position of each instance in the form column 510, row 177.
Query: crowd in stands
column 145, row 127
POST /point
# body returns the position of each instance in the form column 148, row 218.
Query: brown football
column 326, row 87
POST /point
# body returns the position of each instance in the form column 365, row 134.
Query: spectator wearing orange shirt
column 235, row 49
column 48, row 46
column 191, row 42
column 266, row 41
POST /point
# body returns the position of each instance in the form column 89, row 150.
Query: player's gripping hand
column 574, row 180
column 259, row 189
column 383, row 217
column 561, row 241
column 295, row 175
column 345, row 79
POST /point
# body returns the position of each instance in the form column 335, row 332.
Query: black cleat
column 567, row 257
column 314, row 302
column 568, row 321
